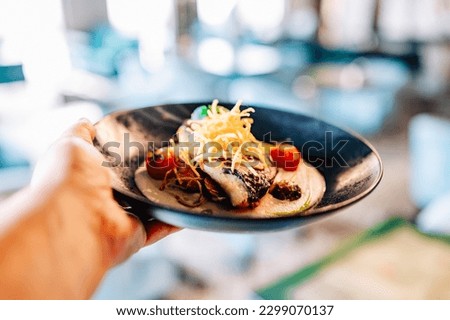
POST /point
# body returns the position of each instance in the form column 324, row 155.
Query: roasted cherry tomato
column 158, row 163
column 285, row 156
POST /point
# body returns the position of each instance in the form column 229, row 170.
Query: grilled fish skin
column 243, row 186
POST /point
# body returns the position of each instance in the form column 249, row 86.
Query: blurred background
column 378, row 67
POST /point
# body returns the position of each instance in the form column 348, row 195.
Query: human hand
column 73, row 165
column 61, row 234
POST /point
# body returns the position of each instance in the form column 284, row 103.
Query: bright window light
column 150, row 21
column 214, row 12
column 257, row 59
column 33, row 34
column 262, row 16
column 216, row 56
column 123, row 16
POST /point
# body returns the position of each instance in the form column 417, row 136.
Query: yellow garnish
column 229, row 132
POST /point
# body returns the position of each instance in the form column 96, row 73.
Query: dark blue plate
column 350, row 165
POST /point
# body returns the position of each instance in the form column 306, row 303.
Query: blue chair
column 429, row 140
column 11, row 73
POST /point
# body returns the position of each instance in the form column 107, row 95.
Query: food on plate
column 214, row 163
column 158, row 163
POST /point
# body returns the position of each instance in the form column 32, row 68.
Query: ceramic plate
column 350, row 166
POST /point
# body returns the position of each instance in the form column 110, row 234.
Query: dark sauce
column 284, row 190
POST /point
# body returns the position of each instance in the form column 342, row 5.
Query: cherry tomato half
column 158, row 163
column 285, row 156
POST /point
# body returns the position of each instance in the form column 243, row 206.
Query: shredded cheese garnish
column 229, row 132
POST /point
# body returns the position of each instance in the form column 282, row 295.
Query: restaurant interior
column 378, row 68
